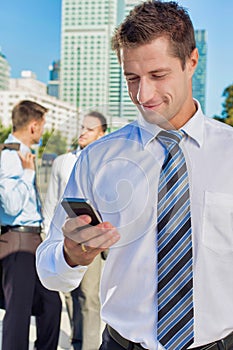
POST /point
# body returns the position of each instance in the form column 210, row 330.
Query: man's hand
column 28, row 161
column 84, row 242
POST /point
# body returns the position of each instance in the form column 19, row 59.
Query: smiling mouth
column 151, row 107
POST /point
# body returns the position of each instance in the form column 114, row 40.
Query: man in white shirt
column 120, row 175
column 83, row 302
column 21, row 225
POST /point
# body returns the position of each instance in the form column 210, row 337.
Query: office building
column 90, row 74
column 61, row 115
column 199, row 78
column 120, row 104
column 86, row 27
column 53, row 87
column 4, row 72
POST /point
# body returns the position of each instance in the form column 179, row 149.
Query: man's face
column 91, row 130
column 157, row 84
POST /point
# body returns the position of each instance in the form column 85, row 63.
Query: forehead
column 91, row 122
column 155, row 52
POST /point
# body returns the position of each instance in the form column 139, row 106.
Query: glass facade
column 4, row 73
column 199, row 78
column 53, row 87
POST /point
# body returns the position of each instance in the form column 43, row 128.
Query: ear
column 33, row 126
column 193, row 61
column 101, row 133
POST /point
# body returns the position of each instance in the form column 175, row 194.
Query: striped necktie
column 175, row 284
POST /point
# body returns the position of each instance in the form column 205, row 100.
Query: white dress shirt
column 18, row 198
column 119, row 174
column 60, row 173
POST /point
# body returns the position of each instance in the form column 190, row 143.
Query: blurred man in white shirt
column 83, row 302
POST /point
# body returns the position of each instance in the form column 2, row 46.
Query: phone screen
column 81, row 206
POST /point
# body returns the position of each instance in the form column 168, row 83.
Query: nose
column 83, row 130
column 145, row 91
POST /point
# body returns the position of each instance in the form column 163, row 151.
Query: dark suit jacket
column 1, row 291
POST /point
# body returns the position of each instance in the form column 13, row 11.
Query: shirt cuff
column 29, row 175
column 73, row 274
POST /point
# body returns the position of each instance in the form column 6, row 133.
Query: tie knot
column 169, row 138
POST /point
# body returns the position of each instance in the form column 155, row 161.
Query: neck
column 23, row 137
column 178, row 121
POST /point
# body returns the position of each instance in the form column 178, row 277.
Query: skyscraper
column 4, row 72
column 199, row 78
column 53, row 87
column 86, row 28
column 120, row 104
column 90, row 74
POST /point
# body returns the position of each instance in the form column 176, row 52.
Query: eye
column 159, row 76
column 132, row 79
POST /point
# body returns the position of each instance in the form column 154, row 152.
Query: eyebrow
column 89, row 127
column 159, row 70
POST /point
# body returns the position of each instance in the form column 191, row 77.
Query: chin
column 35, row 142
column 153, row 117
column 82, row 145
column 156, row 118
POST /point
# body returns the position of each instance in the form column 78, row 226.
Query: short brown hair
column 24, row 112
column 153, row 19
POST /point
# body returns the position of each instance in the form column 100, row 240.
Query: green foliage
column 219, row 118
column 74, row 144
column 227, row 112
column 53, row 142
column 4, row 132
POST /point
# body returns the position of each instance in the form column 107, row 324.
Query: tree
column 219, row 118
column 74, row 143
column 53, row 142
column 227, row 112
column 4, row 132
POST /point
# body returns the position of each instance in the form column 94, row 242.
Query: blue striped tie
column 175, row 276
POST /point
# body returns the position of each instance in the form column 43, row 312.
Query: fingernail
column 85, row 218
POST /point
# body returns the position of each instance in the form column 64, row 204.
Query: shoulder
column 125, row 133
column 219, row 136
column 63, row 158
column 113, row 145
column 62, row 161
column 10, row 158
column 218, row 127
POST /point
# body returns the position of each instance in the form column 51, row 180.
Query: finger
column 73, row 223
column 76, row 256
column 82, row 254
column 87, row 233
column 103, row 241
column 30, row 156
column 101, row 238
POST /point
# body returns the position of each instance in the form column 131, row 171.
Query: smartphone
column 81, row 206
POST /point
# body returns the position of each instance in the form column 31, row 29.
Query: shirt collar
column 77, row 151
column 194, row 128
column 23, row 147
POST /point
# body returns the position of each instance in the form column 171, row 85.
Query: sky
column 30, row 32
